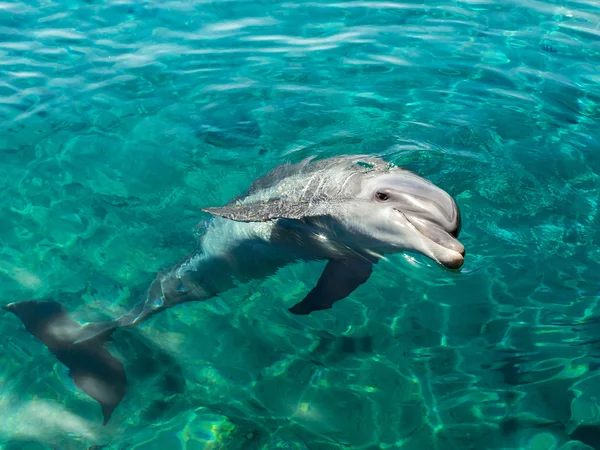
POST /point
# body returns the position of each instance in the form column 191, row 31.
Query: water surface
column 120, row 120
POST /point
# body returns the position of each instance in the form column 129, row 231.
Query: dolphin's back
column 291, row 178
column 314, row 180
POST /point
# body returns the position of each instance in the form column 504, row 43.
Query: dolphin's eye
column 382, row 196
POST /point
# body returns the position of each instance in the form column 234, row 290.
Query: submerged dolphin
column 348, row 210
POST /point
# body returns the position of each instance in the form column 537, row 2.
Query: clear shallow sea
column 119, row 120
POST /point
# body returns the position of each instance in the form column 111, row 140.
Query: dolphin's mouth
column 439, row 245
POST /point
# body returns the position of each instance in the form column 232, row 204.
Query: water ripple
column 118, row 117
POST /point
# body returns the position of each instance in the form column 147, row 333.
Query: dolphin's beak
column 437, row 243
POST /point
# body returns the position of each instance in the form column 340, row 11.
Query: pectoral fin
column 339, row 279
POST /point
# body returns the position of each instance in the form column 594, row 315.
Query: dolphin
column 347, row 210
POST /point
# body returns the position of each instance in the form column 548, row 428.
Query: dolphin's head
column 405, row 212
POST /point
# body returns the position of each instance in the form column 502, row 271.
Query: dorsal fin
column 262, row 211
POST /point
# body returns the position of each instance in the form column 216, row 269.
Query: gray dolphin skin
column 349, row 211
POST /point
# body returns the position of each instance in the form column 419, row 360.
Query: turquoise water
column 120, row 120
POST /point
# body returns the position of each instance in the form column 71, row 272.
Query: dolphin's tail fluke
column 80, row 348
